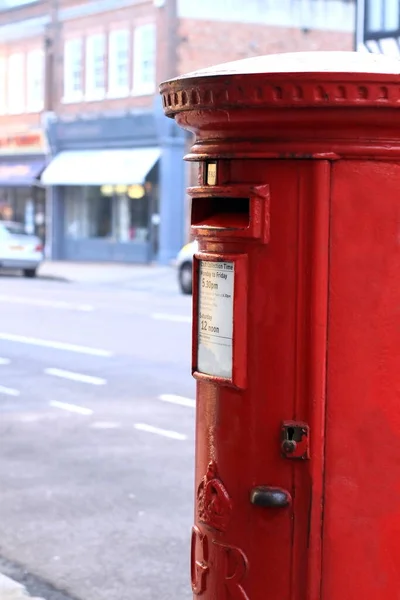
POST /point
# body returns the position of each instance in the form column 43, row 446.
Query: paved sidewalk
column 12, row 590
column 105, row 273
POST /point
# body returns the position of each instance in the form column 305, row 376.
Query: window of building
column 95, row 67
column 118, row 63
column 35, row 82
column 88, row 213
column 73, row 70
column 93, row 212
column 382, row 16
column 15, row 81
column 3, row 102
column 144, row 60
column 131, row 217
column 26, row 206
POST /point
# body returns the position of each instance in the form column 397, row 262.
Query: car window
column 16, row 228
column 3, row 232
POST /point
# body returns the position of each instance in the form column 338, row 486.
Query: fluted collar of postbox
column 301, row 79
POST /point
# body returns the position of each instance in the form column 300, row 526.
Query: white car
column 184, row 263
column 19, row 250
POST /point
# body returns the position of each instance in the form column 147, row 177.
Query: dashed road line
column 5, row 361
column 180, row 400
column 46, row 303
column 22, row 339
column 73, row 376
column 163, row 432
column 74, row 408
column 174, row 318
column 9, row 391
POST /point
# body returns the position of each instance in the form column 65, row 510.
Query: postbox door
column 244, row 547
column 362, row 492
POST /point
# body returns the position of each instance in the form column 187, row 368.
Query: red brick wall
column 199, row 44
column 206, row 43
column 126, row 18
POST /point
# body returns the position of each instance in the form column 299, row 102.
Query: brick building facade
column 82, row 134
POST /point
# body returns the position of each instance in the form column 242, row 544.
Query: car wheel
column 186, row 278
column 30, row 273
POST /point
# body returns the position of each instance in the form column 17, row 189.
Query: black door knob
column 270, row 497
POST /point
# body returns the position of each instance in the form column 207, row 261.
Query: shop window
column 15, row 81
column 99, row 213
column 3, row 104
column 88, row 213
column 35, row 81
column 131, row 218
column 144, row 60
column 25, row 206
column 73, row 70
column 76, row 220
column 118, row 64
column 119, row 213
column 95, row 67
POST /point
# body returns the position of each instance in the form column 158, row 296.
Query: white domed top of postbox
column 305, row 62
column 293, row 79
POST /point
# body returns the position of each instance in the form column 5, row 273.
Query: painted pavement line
column 180, row 400
column 174, row 435
column 46, row 303
column 173, row 318
column 73, row 376
column 73, row 408
column 9, row 391
column 23, row 339
column 4, row 361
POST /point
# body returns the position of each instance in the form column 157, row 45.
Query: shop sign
column 23, row 143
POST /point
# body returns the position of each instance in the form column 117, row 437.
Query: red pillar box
column 296, row 329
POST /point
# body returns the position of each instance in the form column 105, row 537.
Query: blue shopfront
column 116, row 189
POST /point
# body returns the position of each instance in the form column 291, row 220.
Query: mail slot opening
column 221, row 213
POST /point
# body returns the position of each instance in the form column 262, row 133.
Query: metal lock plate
column 295, row 440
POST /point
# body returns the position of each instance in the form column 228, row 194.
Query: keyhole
column 290, row 433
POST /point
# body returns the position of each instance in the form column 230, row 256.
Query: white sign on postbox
column 215, row 318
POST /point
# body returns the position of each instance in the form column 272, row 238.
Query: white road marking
column 8, row 391
column 175, row 318
column 105, row 425
column 181, row 400
column 164, row 432
column 5, row 361
column 10, row 337
column 75, row 376
column 46, row 303
column 74, row 408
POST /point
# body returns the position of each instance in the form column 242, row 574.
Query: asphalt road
column 96, row 439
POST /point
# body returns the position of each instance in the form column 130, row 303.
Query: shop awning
column 20, row 174
column 100, row 167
